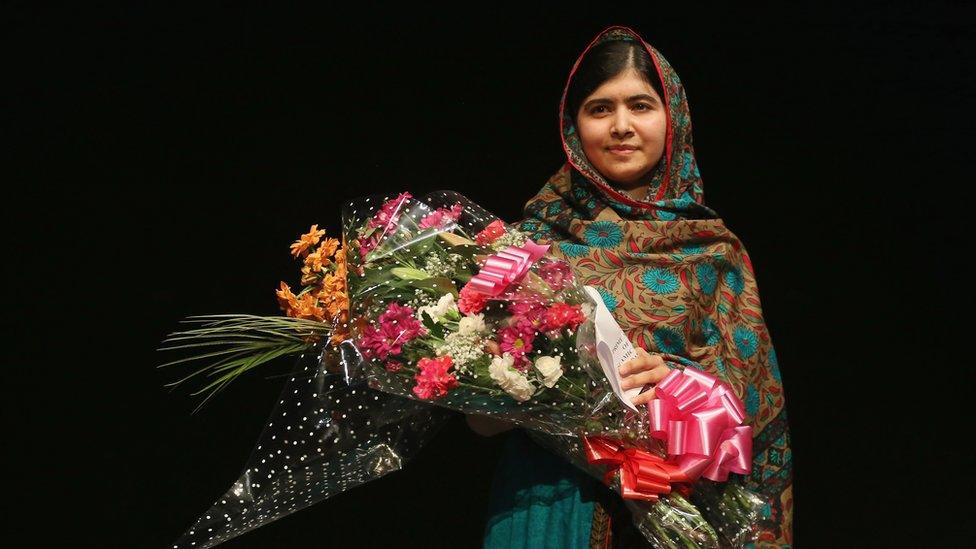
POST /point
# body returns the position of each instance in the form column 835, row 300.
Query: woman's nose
column 621, row 124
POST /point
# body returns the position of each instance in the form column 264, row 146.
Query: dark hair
column 605, row 61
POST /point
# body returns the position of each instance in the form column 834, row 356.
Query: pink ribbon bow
column 506, row 267
column 701, row 420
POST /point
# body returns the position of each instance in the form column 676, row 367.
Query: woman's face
column 622, row 126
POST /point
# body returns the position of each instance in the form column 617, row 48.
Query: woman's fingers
column 644, row 397
column 644, row 378
column 643, row 362
column 646, row 369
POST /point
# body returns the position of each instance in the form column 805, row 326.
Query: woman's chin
column 625, row 180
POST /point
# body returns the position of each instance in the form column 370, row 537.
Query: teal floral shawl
column 679, row 282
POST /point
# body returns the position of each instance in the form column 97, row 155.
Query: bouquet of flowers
column 436, row 304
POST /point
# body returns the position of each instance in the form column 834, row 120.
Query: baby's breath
column 510, row 238
column 463, row 348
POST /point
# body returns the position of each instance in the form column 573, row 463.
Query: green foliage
column 233, row 344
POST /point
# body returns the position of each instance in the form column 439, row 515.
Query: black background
column 162, row 161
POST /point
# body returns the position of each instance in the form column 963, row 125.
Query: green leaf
column 437, row 286
column 436, row 329
column 231, row 345
column 409, row 273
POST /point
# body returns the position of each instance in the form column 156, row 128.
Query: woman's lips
column 622, row 152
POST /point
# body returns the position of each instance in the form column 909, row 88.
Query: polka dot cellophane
column 343, row 420
column 324, row 436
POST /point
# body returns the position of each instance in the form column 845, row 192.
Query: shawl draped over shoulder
column 678, row 281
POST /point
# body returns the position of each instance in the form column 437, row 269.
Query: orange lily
column 307, row 240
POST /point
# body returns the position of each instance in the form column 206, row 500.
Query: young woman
column 626, row 210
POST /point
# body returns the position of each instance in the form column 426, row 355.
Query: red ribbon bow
column 642, row 475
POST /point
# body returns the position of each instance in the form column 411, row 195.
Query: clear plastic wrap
column 451, row 309
column 323, row 437
column 401, row 315
column 711, row 514
column 451, row 306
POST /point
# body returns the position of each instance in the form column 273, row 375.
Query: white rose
column 509, row 379
column 550, row 369
column 431, row 311
column 472, row 324
column 446, row 304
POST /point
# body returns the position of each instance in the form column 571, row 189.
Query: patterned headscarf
column 678, row 281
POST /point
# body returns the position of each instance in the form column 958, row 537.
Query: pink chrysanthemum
column 379, row 342
column 517, row 341
column 395, row 327
column 389, row 214
column 433, row 379
column 441, row 217
column 401, row 318
column 368, row 244
column 528, row 315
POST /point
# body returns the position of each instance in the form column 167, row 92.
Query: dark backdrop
column 163, row 159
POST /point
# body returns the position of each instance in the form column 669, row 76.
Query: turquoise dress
column 538, row 500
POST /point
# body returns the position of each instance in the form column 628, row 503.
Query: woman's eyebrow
column 643, row 96
column 631, row 99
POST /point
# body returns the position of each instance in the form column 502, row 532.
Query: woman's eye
column 598, row 110
column 642, row 106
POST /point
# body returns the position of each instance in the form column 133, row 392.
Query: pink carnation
column 441, row 217
column 433, row 379
column 517, row 341
column 490, row 233
column 379, row 342
column 471, row 301
column 562, row 315
column 401, row 318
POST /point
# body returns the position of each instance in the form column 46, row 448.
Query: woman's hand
column 644, row 370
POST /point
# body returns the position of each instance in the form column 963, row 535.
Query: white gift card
column 612, row 348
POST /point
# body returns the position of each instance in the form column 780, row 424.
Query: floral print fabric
column 678, row 281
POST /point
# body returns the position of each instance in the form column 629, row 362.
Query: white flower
column 510, row 238
column 463, row 348
column 472, row 324
column 550, row 369
column 509, row 379
column 445, row 305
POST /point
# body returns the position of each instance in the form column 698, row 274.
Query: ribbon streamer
column 505, row 267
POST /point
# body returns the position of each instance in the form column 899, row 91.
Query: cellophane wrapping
column 434, row 327
column 323, row 437
column 429, row 325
